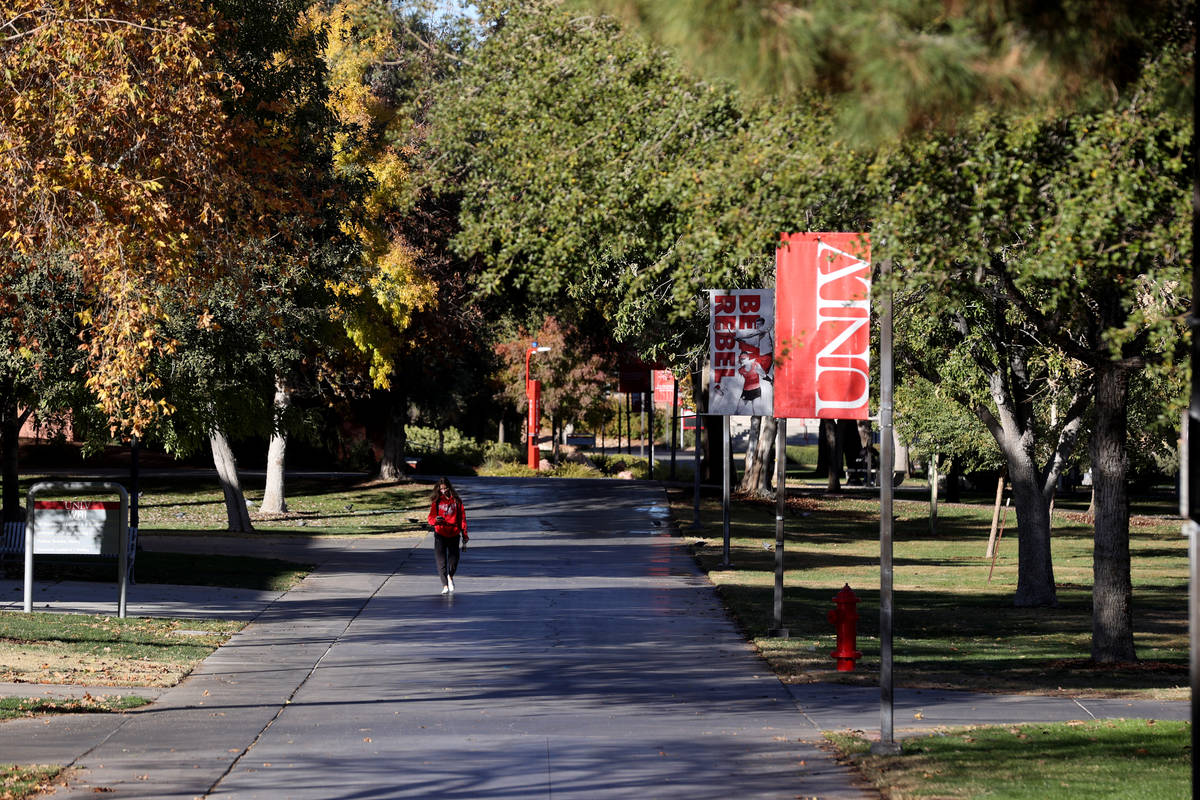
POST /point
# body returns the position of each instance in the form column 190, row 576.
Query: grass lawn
column 102, row 650
column 325, row 507
column 953, row 628
column 16, row 707
column 19, row 782
column 1133, row 759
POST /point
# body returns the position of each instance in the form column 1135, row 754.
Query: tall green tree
column 598, row 180
column 904, row 68
column 39, row 357
column 1073, row 234
column 408, row 311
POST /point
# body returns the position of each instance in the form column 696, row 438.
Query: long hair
column 437, row 489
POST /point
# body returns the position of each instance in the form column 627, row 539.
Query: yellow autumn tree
column 376, row 308
column 117, row 148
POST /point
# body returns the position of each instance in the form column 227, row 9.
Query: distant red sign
column 664, row 387
column 823, row 326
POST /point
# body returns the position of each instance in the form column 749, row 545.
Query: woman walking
column 449, row 521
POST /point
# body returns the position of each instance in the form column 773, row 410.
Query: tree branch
column 1044, row 325
column 1067, row 437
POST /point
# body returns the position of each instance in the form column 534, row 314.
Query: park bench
column 581, row 439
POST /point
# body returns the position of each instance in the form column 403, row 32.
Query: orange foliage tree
column 121, row 146
column 574, row 378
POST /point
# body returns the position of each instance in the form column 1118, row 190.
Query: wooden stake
column 996, row 549
column 991, row 545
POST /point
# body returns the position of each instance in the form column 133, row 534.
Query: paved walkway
column 582, row 657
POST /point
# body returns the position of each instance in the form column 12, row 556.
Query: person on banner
column 449, row 520
column 756, row 365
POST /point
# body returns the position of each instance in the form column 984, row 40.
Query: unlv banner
column 741, row 352
column 823, row 291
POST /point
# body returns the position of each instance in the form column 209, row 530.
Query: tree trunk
column 824, row 447
column 1112, row 589
column 1014, row 433
column 227, row 474
column 713, row 450
column 1035, row 569
column 395, row 439
column 757, row 477
column 751, row 453
column 10, row 430
column 274, row 501
column 833, row 445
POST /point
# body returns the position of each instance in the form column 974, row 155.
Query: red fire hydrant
column 845, row 619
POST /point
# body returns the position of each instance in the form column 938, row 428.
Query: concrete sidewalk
column 583, row 656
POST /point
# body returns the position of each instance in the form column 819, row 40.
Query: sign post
column 886, row 745
column 778, row 631
column 77, row 527
column 823, row 286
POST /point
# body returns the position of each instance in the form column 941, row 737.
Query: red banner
column 823, row 326
column 664, row 387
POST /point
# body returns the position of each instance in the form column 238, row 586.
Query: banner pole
column 778, row 631
column 725, row 489
column 674, row 421
column 886, row 745
column 697, row 427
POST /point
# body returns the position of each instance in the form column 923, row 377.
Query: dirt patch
column 37, row 664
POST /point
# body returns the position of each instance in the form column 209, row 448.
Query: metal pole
column 1193, row 443
column 674, row 422
column 725, row 489
column 1194, row 629
column 696, row 474
column 886, row 745
column 134, row 490
column 778, row 630
column 628, row 424
column 647, row 409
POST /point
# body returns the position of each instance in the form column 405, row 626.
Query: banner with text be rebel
column 823, row 326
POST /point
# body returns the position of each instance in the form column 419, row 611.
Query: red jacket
column 452, row 511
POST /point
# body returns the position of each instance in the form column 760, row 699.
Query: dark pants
column 445, row 550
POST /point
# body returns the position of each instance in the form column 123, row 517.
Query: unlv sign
column 823, row 326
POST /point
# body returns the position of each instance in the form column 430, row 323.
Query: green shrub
column 502, row 451
column 609, row 465
column 424, row 442
column 494, row 468
column 572, row 469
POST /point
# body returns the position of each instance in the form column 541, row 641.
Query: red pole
column 534, row 389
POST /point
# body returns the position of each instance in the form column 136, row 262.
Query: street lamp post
column 533, row 395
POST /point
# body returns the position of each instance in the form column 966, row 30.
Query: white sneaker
column 445, row 590
column 451, row 586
